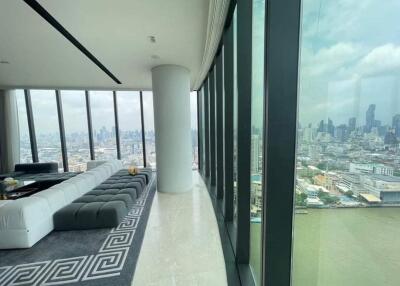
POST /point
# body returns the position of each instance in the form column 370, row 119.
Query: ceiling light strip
column 52, row 21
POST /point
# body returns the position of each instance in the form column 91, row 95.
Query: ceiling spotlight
column 4, row 62
column 152, row 39
column 155, row 57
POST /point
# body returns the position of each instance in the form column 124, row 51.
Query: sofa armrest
column 14, row 175
column 36, row 168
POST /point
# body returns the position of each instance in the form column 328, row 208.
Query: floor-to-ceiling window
column 149, row 129
column 257, row 119
column 130, row 128
column 235, row 116
column 202, row 130
column 103, row 120
column 25, row 151
column 45, row 117
column 76, row 129
column 347, row 196
column 193, row 121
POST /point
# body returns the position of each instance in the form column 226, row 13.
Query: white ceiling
column 115, row 32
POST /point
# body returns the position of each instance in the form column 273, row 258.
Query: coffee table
column 26, row 188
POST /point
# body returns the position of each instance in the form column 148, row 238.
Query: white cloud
column 380, row 60
column 329, row 60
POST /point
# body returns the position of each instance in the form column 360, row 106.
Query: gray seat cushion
column 88, row 215
column 104, row 206
column 132, row 192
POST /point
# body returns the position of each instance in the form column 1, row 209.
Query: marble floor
column 182, row 245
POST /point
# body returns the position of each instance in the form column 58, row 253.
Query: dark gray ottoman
column 106, row 205
column 81, row 215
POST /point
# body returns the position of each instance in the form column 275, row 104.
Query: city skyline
column 101, row 107
column 348, row 59
column 360, row 121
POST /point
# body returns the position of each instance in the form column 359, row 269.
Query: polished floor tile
column 181, row 245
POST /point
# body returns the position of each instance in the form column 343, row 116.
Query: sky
column 74, row 109
column 349, row 58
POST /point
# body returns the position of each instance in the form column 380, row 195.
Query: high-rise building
column 370, row 118
column 396, row 125
column 330, row 127
column 390, row 138
column 341, row 132
column 255, row 153
column 352, row 124
column 321, row 126
column 308, row 134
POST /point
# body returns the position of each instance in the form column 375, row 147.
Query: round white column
column 171, row 99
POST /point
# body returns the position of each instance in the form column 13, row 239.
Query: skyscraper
column 255, row 153
column 352, row 124
column 370, row 118
column 331, row 128
column 308, row 134
column 341, row 132
column 390, row 138
column 396, row 125
column 321, row 127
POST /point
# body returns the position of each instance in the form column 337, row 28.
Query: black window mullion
column 212, row 126
column 143, row 130
column 219, row 135
column 228, row 122
column 282, row 28
column 117, row 137
column 199, row 141
column 206, row 129
column 90, row 126
column 31, row 126
column 244, row 80
column 62, row 131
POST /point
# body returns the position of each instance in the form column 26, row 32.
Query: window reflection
column 149, row 129
column 130, row 128
column 44, row 109
column 193, row 132
column 103, row 120
column 76, row 129
column 235, row 116
column 348, row 187
column 256, row 157
column 25, row 151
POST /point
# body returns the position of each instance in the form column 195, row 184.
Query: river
column 345, row 247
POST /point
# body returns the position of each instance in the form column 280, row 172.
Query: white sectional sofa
column 25, row 221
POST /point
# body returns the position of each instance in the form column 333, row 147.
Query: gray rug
column 88, row 257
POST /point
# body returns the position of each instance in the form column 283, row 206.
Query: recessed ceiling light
column 4, row 62
column 155, row 57
column 152, row 39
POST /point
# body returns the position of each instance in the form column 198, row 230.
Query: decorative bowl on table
column 10, row 182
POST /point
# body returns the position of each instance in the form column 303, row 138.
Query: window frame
column 282, row 35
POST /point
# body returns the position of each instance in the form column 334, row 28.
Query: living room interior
column 84, row 138
column 199, row 142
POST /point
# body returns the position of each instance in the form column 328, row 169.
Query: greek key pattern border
column 107, row 262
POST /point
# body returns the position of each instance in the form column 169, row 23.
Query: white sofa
column 25, row 221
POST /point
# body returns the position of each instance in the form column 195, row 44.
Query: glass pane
column 257, row 110
column 45, row 117
column 103, row 121
column 24, row 140
column 203, row 132
column 193, row 120
column 148, row 113
column 235, row 116
column 76, row 129
column 347, row 217
column 130, row 128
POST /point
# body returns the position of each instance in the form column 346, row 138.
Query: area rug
column 89, row 257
